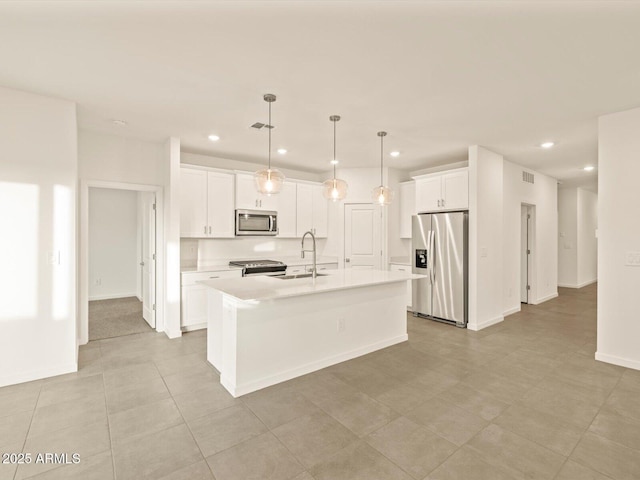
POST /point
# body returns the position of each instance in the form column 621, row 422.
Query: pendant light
column 334, row 188
column 382, row 195
column 269, row 181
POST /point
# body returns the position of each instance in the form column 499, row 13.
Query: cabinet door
column 220, row 205
column 246, row 193
column 320, row 212
column 269, row 202
column 407, row 269
column 407, row 207
column 193, row 203
column 428, row 194
column 287, row 211
column 304, row 213
column 455, row 190
column 194, row 306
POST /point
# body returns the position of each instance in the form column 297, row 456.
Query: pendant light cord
column 270, row 128
column 334, row 150
column 381, row 154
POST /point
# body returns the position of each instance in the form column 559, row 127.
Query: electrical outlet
column 98, row 281
column 341, row 325
column 633, row 259
column 483, row 252
column 510, row 291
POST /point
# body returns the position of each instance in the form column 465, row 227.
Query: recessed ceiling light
column 588, row 168
column 213, row 138
column 120, row 123
column 282, row 151
column 395, row 153
column 334, row 162
column 547, row 144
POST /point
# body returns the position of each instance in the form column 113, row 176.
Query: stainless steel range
column 260, row 267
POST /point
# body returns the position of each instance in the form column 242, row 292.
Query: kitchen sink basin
column 302, row 275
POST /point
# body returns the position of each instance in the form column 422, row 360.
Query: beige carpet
column 115, row 318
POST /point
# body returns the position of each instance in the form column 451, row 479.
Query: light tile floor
column 520, row 400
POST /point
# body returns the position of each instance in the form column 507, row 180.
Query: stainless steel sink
column 302, row 275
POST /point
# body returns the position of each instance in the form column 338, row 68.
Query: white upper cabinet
column 312, row 210
column 455, row 190
column 248, row 197
column 193, row 203
column 287, row 200
column 206, row 204
column 220, row 211
column 443, row 191
column 407, row 207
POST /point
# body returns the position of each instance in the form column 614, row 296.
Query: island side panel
column 288, row 337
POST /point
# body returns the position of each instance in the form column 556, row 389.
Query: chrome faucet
column 313, row 237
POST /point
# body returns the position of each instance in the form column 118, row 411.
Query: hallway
column 521, row 399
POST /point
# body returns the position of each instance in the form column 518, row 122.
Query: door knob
column 142, row 264
column 347, row 260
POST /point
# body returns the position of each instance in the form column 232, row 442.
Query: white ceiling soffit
column 437, row 76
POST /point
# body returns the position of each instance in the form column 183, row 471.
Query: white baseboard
column 622, row 362
column 511, row 311
column 239, row 390
column 38, row 374
column 545, row 299
column 173, row 333
column 197, row 326
column 479, row 326
column 579, row 285
column 112, row 296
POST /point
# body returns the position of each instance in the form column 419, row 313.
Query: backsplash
column 205, row 251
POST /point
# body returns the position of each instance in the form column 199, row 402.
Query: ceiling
column 438, row 76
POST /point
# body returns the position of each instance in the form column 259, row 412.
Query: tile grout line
column 33, row 414
column 106, row 407
column 185, row 422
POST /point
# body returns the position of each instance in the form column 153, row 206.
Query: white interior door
column 362, row 236
column 148, row 263
column 524, row 254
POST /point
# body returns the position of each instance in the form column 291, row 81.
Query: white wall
column 618, row 234
column 485, row 238
column 543, row 195
column 119, row 159
column 567, row 237
column 577, row 243
column 587, row 241
column 113, row 243
column 217, row 162
column 38, row 176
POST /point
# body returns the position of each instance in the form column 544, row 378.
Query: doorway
column 130, row 309
column 122, row 257
column 527, row 213
column 363, row 246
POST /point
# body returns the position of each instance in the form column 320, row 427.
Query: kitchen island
column 265, row 330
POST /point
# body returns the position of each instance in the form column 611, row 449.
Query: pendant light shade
column 334, row 189
column 382, row 195
column 269, row 180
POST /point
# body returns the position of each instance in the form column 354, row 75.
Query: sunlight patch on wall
column 19, row 256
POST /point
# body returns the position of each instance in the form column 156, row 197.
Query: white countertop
column 222, row 265
column 263, row 288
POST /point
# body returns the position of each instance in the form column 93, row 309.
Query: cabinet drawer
column 193, row 278
column 394, row 267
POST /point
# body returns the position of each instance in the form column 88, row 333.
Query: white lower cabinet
column 396, row 267
column 193, row 309
column 299, row 269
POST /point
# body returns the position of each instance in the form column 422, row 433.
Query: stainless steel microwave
column 256, row 222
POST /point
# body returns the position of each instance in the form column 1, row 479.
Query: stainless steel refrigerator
column 439, row 246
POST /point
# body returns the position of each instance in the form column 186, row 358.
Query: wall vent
column 528, row 177
column 260, row 125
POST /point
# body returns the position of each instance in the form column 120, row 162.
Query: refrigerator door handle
column 433, row 257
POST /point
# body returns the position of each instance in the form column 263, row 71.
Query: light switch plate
column 633, row 259
column 483, row 252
